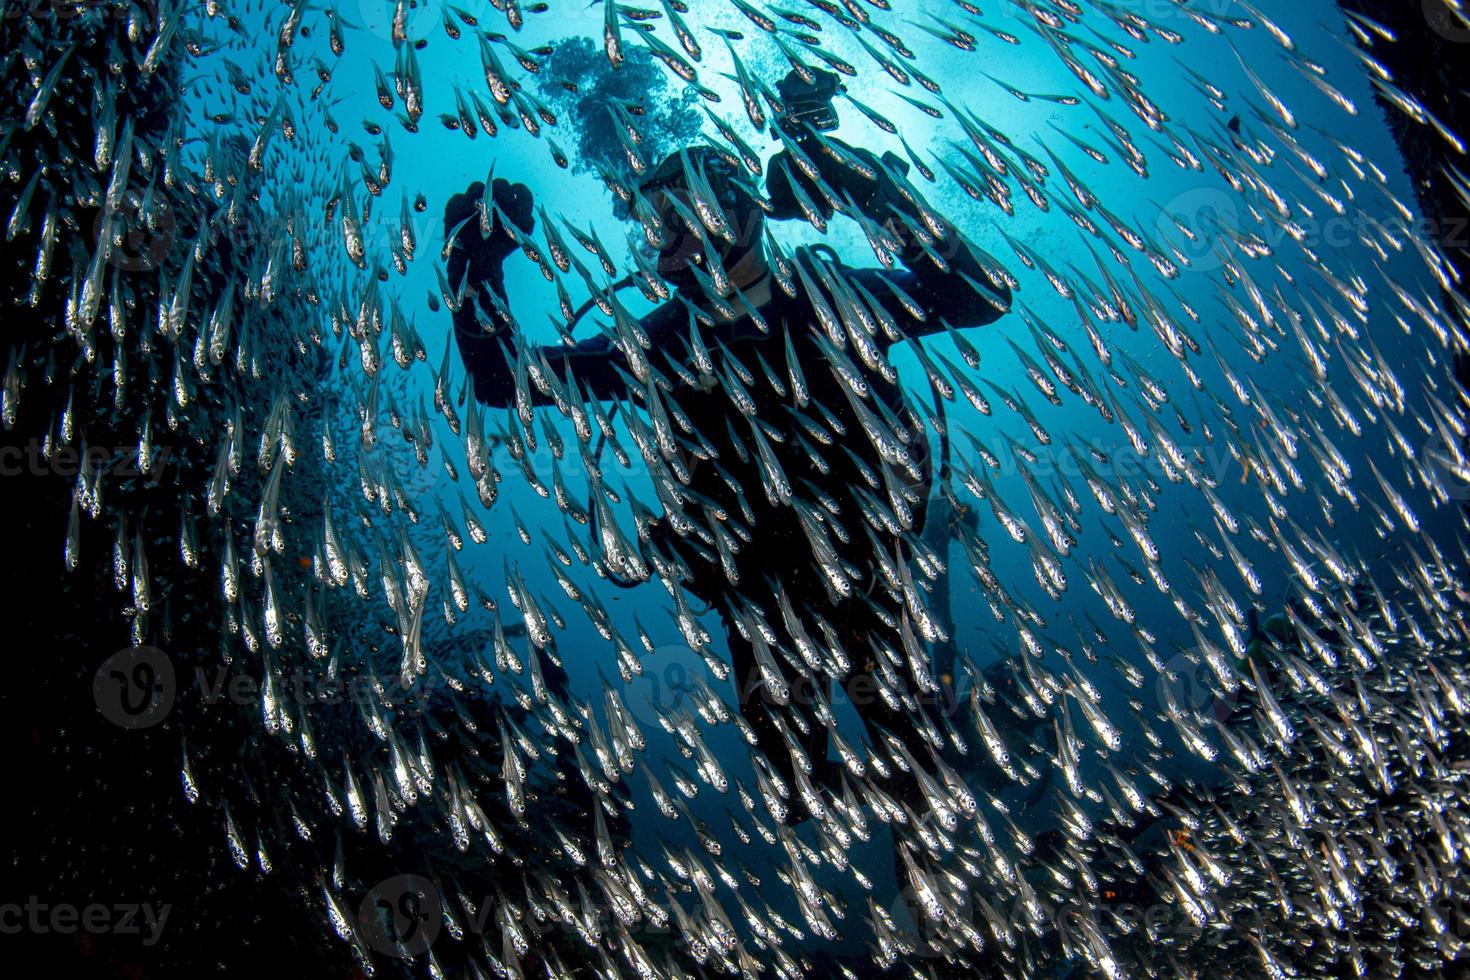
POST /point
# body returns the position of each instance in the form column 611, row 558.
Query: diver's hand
column 841, row 168
column 836, row 158
column 472, row 250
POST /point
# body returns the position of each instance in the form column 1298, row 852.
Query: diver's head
column 710, row 223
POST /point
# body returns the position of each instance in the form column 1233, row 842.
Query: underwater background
column 1206, row 565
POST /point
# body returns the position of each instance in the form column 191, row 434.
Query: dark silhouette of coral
column 667, row 120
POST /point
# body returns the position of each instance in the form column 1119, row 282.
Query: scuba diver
column 792, row 466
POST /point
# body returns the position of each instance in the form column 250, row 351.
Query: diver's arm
column 961, row 293
column 477, row 279
column 943, row 273
column 597, row 365
column 593, row 363
column 483, row 327
column 938, row 271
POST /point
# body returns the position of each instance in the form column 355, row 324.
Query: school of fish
column 216, row 260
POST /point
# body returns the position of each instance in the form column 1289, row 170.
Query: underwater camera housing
column 809, row 103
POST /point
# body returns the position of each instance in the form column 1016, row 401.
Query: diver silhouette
column 793, row 468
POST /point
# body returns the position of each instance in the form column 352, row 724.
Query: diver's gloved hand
column 840, row 180
column 473, row 252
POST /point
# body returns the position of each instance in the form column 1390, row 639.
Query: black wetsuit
column 721, row 455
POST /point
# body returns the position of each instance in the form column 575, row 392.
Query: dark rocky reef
column 96, row 812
